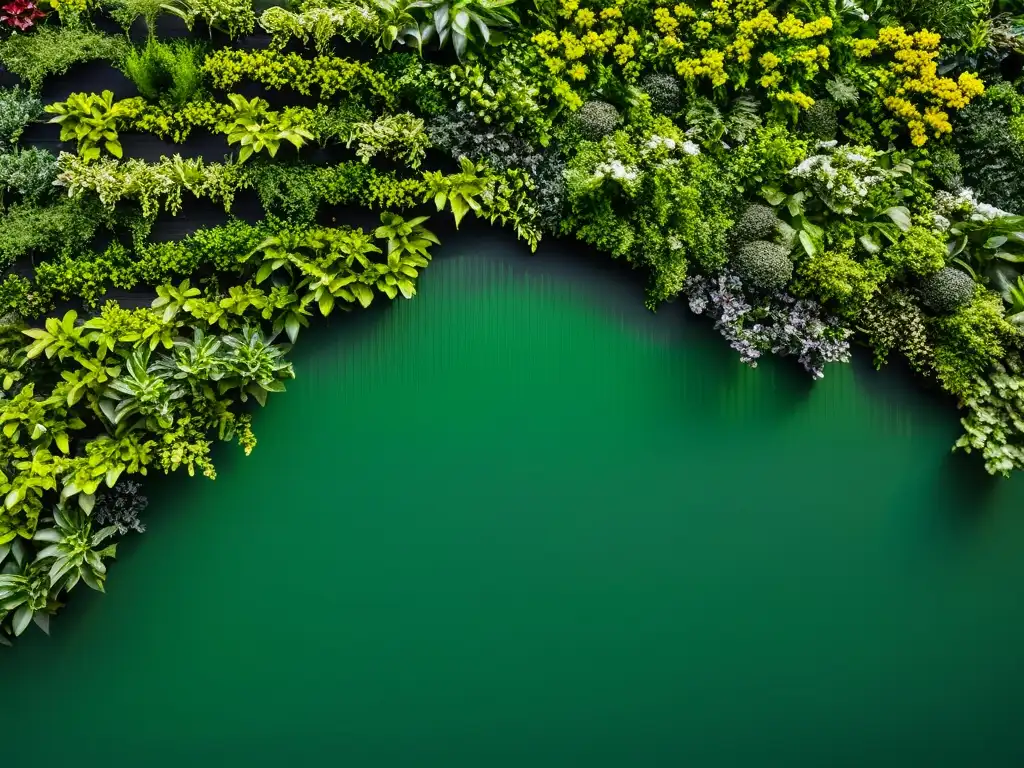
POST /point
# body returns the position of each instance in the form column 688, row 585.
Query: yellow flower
column 664, row 21
column 624, row 53
column 577, row 71
column 769, row 61
column 702, row 29
column 585, row 17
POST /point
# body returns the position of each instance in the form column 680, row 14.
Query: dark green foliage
column 121, row 507
column 596, row 119
column 893, row 321
column 166, row 73
column 946, row 168
column 992, row 160
column 757, row 222
column 28, row 229
column 947, row 290
column 763, row 266
column 664, row 92
column 821, row 121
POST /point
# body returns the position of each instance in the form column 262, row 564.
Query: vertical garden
column 819, row 179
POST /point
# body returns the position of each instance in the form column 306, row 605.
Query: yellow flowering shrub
column 719, row 44
column 909, row 85
column 591, row 33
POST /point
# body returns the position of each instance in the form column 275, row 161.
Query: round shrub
column 596, row 119
column 757, row 222
column 821, row 120
column 763, row 266
column 664, row 92
column 947, row 290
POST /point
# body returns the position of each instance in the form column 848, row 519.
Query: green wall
column 519, row 521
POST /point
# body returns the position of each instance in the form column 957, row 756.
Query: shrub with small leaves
column 596, row 119
column 947, row 290
column 893, row 321
column 763, row 266
column 664, row 92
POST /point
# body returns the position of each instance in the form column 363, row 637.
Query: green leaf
column 900, row 217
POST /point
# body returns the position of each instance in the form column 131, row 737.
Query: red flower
column 20, row 14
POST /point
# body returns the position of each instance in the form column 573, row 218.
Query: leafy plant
column 456, row 20
column 91, row 120
column 73, row 553
column 458, row 191
column 256, row 129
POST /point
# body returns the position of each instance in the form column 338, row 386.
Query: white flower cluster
column 842, row 178
column 964, row 201
column 616, row 170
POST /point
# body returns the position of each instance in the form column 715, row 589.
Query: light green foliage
column 325, row 75
column 28, row 229
column 970, row 341
column 53, row 50
column 653, row 199
column 91, row 121
column 166, row 73
column 318, row 24
column 918, row 253
column 256, row 128
column 18, row 108
column 126, row 12
column 766, row 158
column 835, row 277
column 154, row 186
column 502, row 95
column 763, row 266
column 232, row 17
column 947, row 290
column 994, row 423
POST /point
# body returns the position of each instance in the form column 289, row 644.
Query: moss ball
column 757, row 222
column 596, row 119
column 821, row 121
column 666, row 96
column 947, row 290
column 763, row 266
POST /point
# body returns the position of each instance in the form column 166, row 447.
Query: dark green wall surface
column 521, row 522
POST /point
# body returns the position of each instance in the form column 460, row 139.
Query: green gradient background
column 520, row 522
